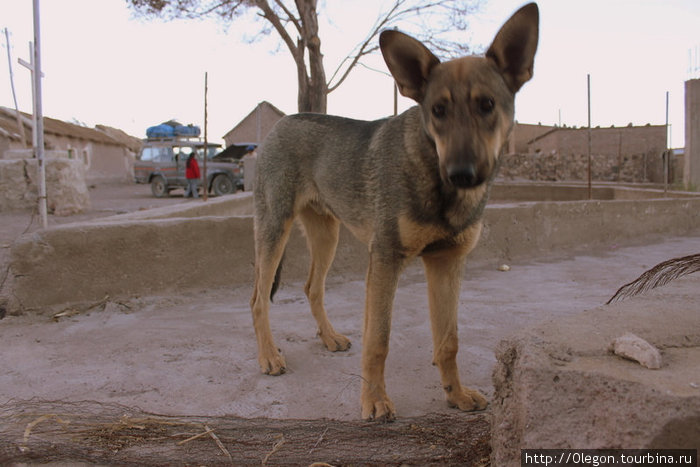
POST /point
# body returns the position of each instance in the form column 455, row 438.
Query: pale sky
column 103, row 66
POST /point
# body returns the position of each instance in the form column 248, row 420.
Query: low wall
column 151, row 253
column 66, row 190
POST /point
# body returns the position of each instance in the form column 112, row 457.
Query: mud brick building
column 254, row 126
column 628, row 154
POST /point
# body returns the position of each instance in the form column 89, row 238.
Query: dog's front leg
column 443, row 272
column 382, row 279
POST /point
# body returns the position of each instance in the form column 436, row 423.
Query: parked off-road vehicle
column 162, row 164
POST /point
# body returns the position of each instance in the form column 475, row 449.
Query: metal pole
column 396, row 99
column 39, row 118
column 590, row 187
column 206, row 143
column 668, row 151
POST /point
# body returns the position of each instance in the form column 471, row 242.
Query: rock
column 635, row 348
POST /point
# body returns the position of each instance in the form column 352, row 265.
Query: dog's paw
column 466, row 399
column 273, row 364
column 379, row 409
column 336, row 342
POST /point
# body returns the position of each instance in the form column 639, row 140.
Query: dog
column 411, row 185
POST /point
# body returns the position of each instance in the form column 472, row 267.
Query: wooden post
column 205, row 190
column 590, row 177
column 667, row 153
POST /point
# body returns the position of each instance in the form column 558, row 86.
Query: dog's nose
column 463, row 176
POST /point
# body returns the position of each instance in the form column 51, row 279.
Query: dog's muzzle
column 463, row 176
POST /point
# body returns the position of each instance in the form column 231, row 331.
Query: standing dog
column 412, row 185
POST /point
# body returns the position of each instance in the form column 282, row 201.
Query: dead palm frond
column 659, row 275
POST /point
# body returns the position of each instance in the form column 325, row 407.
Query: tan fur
column 413, row 185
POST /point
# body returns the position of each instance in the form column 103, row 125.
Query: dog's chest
column 441, row 222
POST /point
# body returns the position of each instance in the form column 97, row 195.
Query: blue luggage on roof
column 160, row 131
column 187, row 130
column 172, row 129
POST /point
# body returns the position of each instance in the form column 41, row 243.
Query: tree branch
column 293, row 19
column 269, row 14
column 363, row 49
column 400, row 10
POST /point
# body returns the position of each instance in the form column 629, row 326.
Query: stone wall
column 66, row 190
column 554, row 166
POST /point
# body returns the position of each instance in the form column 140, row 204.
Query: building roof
column 132, row 142
column 262, row 105
column 8, row 123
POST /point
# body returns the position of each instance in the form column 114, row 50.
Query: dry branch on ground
column 111, row 434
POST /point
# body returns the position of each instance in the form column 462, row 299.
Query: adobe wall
column 66, row 190
column 523, row 133
column 255, row 127
column 59, row 265
column 691, row 173
column 103, row 162
column 629, row 154
column 623, row 141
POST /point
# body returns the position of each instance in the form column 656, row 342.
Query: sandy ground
column 195, row 354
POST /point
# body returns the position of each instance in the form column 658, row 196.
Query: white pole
column 39, row 148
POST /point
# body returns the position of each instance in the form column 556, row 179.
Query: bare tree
column 296, row 23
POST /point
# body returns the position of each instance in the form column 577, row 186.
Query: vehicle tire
column 159, row 187
column 222, row 185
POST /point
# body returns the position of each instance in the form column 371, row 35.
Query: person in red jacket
column 192, row 174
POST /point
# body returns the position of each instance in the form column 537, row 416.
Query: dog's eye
column 486, row 105
column 439, row 111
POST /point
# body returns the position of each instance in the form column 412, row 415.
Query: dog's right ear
column 409, row 62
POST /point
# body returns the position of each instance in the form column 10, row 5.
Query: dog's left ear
column 513, row 49
column 409, row 62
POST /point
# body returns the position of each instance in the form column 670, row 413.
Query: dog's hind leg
column 322, row 238
column 270, row 240
column 443, row 273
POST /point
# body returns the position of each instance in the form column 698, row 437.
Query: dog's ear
column 513, row 49
column 409, row 62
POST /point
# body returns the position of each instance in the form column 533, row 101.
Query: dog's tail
column 278, row 275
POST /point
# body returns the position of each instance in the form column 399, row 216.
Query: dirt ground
column 195, row 353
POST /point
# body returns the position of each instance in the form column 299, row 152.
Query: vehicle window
column 165, row 155
column 148, row 154
column 157, row 154
column 213, row 151
column 183, row 152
